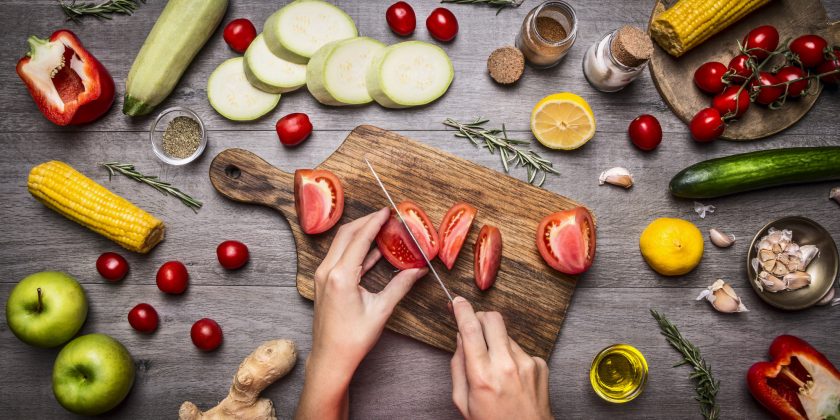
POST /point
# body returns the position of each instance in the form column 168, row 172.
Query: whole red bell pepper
column 69, row 85
column 798, row 384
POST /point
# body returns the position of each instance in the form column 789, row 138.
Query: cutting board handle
column 245, row 177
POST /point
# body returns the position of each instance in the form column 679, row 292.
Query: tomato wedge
column 488, row 256
column 453, row 232
column 566, row 240
column 319, row 200
column 395, row 243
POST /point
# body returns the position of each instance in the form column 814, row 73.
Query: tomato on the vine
column 833, row 64
column 741, row 67
column 789, row 73
column 645, row 132
column 767, row 92
column 293, row 129
column 401, row 18
column 239, row 34
column 442, row 24
column 761, row 41
column 706, row 125
column 709, row 77
column 809, row 49
column 734, row 101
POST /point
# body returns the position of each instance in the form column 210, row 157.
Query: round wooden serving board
column 673, row 77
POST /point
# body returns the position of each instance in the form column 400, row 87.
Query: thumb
column 399, row 286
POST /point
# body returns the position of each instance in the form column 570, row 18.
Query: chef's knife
column 410, row 233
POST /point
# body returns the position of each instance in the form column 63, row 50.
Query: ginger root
column 269, row 362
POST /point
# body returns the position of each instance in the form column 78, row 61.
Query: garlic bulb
column 781, row 262
column 723, row 298
column 617, row 176
column 720, row 239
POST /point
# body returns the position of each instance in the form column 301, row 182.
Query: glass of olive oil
column 619, row 373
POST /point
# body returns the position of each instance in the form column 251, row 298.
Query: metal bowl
column 823, row 269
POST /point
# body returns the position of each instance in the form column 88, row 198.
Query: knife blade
column 410, row 233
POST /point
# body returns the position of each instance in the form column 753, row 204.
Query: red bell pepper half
column 69, row 85
column 798, row 384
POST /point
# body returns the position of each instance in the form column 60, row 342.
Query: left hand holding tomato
column 348, row 319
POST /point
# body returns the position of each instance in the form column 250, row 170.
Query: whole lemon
column 671, row 247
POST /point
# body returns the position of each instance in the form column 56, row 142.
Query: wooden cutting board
column 532, row 297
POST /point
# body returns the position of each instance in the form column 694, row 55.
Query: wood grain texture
column 400, row 378
column 791, row 17
column 529, row 294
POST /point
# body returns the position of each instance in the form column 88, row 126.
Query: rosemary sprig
column 166, row 188
column 509, row 153
column 74, row 11
column 707, row 387
column 501, row 4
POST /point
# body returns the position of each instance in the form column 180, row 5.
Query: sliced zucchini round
column 410, row 73
column 336, row 74
column 296, row 31
column 269, row 73
column 231, row 94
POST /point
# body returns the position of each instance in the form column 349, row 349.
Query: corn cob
column 60, row 187
column 690, row 22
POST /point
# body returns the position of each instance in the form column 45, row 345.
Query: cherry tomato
column 453, row 231
column 401, row 18
column 293, row 129
column 395, row 243
column 645, row 132
column 442, row 24
column 206, row 334
column 143, row 318
column 762, row 41
column 706, row 125
column 566, row 240
column 832, row 64
column 709, row 77
column 809, row 49
column 319, row 200
column 731, row 103
column 239, row 34
column 767, row 93
column 786, row 74
column 740, row 67
column 232, row 254
column 172, row 278
column 488, row 256
column 112, row 266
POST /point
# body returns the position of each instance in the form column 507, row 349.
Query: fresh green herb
column 508, row 150
column 74, row 11
column 707, row 387
column 501, row 4
column 153, row 181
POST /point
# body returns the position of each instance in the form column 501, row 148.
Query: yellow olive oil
column 619, row 373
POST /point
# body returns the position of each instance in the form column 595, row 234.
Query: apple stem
column 39, row 307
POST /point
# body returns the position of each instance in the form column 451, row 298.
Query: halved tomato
column 395, row 243
column 488, row 256
column 453, row 231
column 319, row 200
column 566, row 240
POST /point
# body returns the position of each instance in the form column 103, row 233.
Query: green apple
column 92, row 374
column 46, row 309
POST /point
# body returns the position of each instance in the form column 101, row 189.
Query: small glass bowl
column 159, row 126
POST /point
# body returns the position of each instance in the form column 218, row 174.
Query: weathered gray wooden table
column 401, row 378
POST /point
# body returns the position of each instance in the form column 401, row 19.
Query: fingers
column 398, row 287
column 475, row 348
column 542, row 375
column 370, row 260
column 363, row 235
column 460, row 388
column 495, row 334
column 341, row 240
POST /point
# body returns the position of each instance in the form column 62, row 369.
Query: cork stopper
column 506, row 65
column 631, row 46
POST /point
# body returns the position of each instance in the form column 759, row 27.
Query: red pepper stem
column 35, row 43
column 785, row 371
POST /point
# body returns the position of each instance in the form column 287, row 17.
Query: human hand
column 492, row 377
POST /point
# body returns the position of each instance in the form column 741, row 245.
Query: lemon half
column 562, row 121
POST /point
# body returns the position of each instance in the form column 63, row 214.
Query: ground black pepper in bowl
column 181, row 137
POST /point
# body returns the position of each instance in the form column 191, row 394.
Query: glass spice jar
column 547, row 33
column 617, row 59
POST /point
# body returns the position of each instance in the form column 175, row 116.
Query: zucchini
column 232, row 95
column 756, row 170
column 301, row 27
column 181, row 30
column 336, row 74
column 270, row 73
column 409, row 73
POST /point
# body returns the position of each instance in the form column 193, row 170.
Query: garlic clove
column 768, row 265
column 779, row 269
column 777, row 247
column 766, row 255
column 617, row 176
column 797, row 280
column 794, row 264
column 702, row 209
column 792, row 249
column 835, row 194
column 771, row 283
column 723, row 298
column 720, row 239
column 808, row 253
column 783, row 258
column 756, row 265
column 763, row 244
column 827, row 298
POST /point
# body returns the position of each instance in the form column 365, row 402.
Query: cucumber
column 270, row 73
column 234, row 97
column 296, row 31
column 181, row 30
column 755, row 170
column 336, row 74
column 408, row 74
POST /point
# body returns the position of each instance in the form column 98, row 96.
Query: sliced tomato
column 453, row 231
column 319, row 200
column 488, row 256
column 395, row 243
column 566, row 240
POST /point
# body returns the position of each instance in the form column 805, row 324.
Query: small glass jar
column 159, row 127
column 547, row 33
column 604, row 71
column 619, row 373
